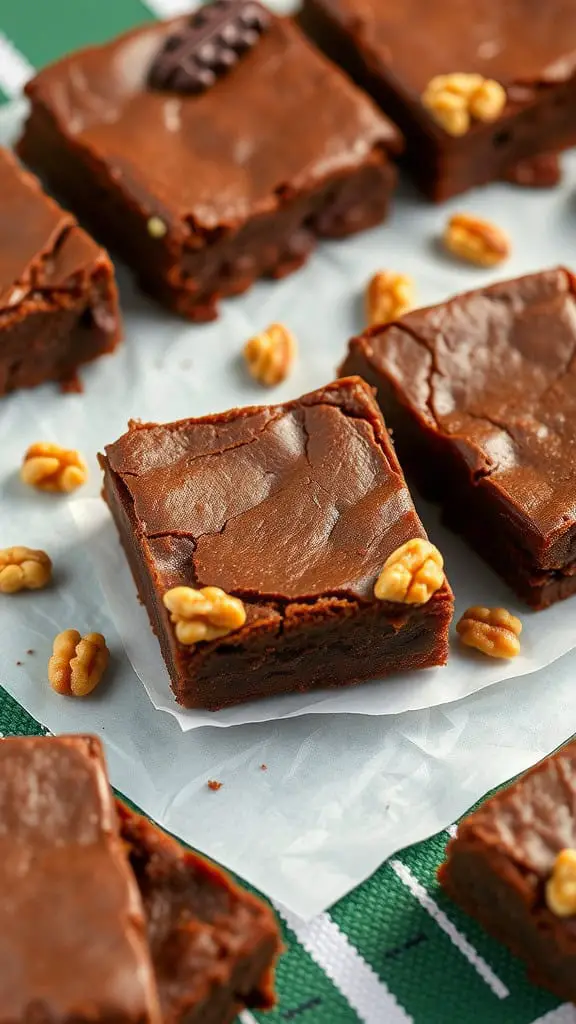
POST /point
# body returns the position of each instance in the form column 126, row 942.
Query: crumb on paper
column 18, row 662
column 214, row 785
column 263, row 767
column 30, row 651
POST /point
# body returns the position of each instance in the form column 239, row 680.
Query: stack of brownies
column 277, row 548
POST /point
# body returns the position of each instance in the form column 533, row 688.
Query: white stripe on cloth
column 170, row 8
column 342, row 963
column 247, row 1018
column 443, row 921
column 15, row 70
column 452, row 830
column 565, row 1014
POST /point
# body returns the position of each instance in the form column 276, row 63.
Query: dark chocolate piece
column 479, row 391
column 194, row 194
column 503, row 854
column 209, row 45
column 73, row 944
column 213, row 945
column 58, row 299
column 292, row 508
column 394, row 50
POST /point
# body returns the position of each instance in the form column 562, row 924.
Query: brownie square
column 58, row 299
column 481, row 393
column 213, row 945
column 503, row 855
column 394, row 50
column 293, row 509
column 73, row 943
column 203, row 194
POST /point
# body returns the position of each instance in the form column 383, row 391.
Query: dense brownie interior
column 236, row 202
column 481, row 392
column 501, row 858
column 58, row 302
column 395, row 50
column 294, row 509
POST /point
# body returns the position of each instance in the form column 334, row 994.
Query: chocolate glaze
column 394, row 50
column 293, row 508
column 481, row 391
column 238, row 201
column 70, row 949
column 499, row 862
column 58, row 300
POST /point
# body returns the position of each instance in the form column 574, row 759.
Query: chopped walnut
column 156, row 227
column 23, row 569
column 454, row 100
column 412, row 573
column 561, row 886
column 388, row 296
column 51, row 468
column 205, row 614
column 269, row 355
column 493, row 631
column 476, row 240
column 77, row 663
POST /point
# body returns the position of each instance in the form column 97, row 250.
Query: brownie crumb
column 214, row 784
column 18, row 662
column 263, row 767
column 72, row 385
column 30, row 651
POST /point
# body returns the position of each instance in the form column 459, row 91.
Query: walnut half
column 77, row 663
column 475, row 240
column 52, row 468
column 493, row 631
column 269, row 355
column 411, row 574
column 388, row 296
column 455, row 100
column 23, row 569
column 201, row 615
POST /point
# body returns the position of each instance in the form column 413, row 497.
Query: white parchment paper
column 341, row 792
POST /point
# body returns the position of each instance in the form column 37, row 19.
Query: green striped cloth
column 395, row 950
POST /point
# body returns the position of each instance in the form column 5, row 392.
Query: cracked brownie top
column 492, row 373
column 275, row 504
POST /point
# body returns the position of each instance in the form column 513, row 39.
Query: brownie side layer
column 73, row 944
column 213, row 945
column 498, row 863
column 256, row 215
column 539, row 115
column 479, row 394
column 272, row 517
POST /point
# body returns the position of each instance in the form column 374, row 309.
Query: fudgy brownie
column 504, row 859
column 213, row 945
column 396, row 50
column 73, row 943
column 293, row 509
column 203, row 192
column 481, row 393
column 58, row 300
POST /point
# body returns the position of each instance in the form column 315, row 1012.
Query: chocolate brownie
column 293, row 509
column 502, row 859
column 203, row 192
column 395, row 50
column 481, row 393
column 213, row 945
column 58, row 300
column 73, row 943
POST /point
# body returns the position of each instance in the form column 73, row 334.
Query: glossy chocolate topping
column 282, row 115
column 495, row 371
column 513, row 41
column 41, row 246
column 72, row 930
column 533, row 819
column 286, row 502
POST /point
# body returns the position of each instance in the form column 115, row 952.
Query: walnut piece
column 51, row 468
column 476, row 240
column 454, row 100
column 23, row 569
column 388, row 296
column 269, row 355
column 77, row 663
column 561, row 886
column 412, row 573
column 493, row 631
column 156, row 227
column 204, row 614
